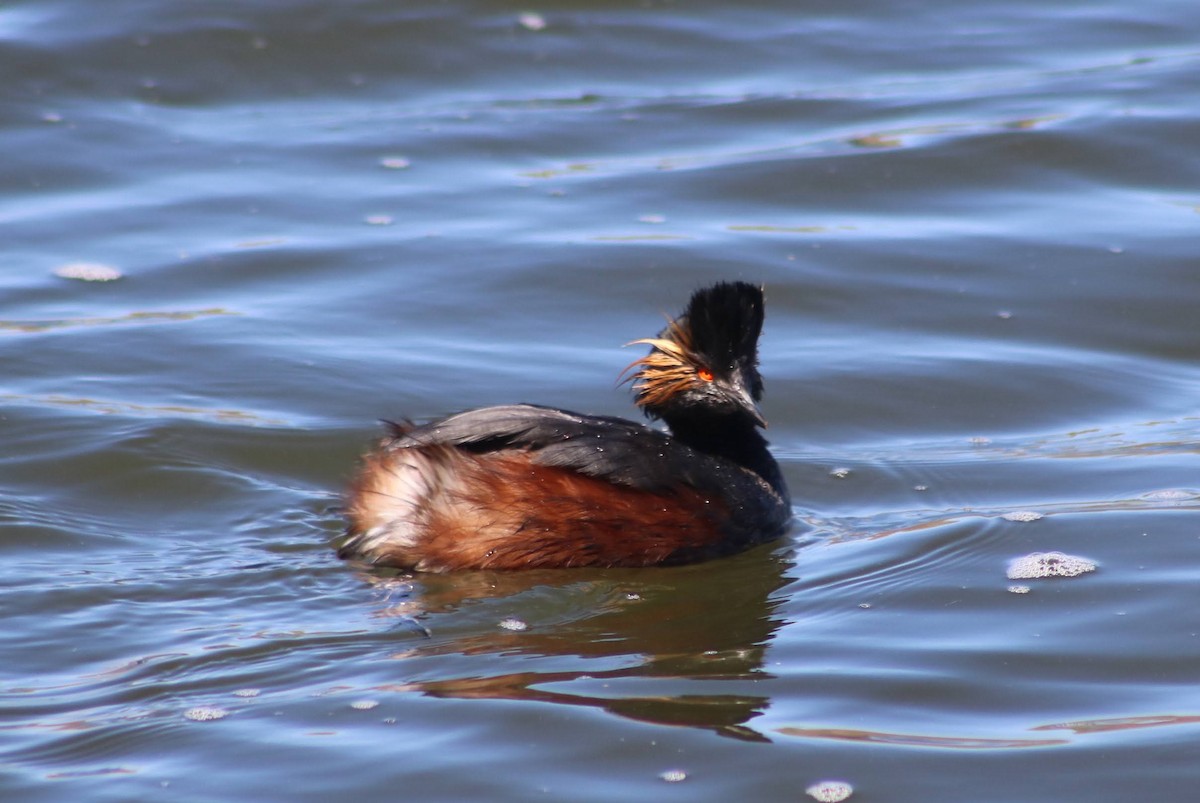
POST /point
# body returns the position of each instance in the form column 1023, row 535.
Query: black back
column 613, row 449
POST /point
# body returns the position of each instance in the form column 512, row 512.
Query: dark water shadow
column 644, row 644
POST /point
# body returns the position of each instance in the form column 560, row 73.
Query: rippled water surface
column 978, row 228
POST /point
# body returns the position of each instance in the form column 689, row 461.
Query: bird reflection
column 680, row 646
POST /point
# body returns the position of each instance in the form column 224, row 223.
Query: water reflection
column 52, row 324
column 1121, row 723
column 678, row 646
column 1078, row 727
column 918, row 739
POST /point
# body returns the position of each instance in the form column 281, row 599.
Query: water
column 977, row 226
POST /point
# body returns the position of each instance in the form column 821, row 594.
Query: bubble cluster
column 1170, row 495
column 673, row 776
column 1048, row 564
column 87, row 272
column 532, row 21
column 830, row 791
column 205, row 713
column 512, row 623
column 1022, row 515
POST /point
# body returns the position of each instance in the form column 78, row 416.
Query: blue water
column 977, row 228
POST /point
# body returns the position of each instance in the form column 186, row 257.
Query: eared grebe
column 522, row 486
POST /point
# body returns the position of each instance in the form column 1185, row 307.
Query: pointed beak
column 742, row 395
column 757, row 415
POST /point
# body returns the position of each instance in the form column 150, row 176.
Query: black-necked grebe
column 522, row 486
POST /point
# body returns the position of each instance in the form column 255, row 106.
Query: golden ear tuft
column 668, row 369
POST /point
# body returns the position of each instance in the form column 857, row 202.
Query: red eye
column 705, row 374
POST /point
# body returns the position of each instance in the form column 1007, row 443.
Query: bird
column 523, row 486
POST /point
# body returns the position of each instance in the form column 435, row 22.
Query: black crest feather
column 725, row 321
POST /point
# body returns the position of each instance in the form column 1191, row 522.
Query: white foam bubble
column 830, row 791
column 532, row 21
column 87, row 272
column 1022, row 515
column 1170, row 495
column 512, row 623
column 1048, row 564
column 205, row 713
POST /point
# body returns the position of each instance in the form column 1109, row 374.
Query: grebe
column 523, row 486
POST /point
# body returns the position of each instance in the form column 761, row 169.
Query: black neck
column 734, row 438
